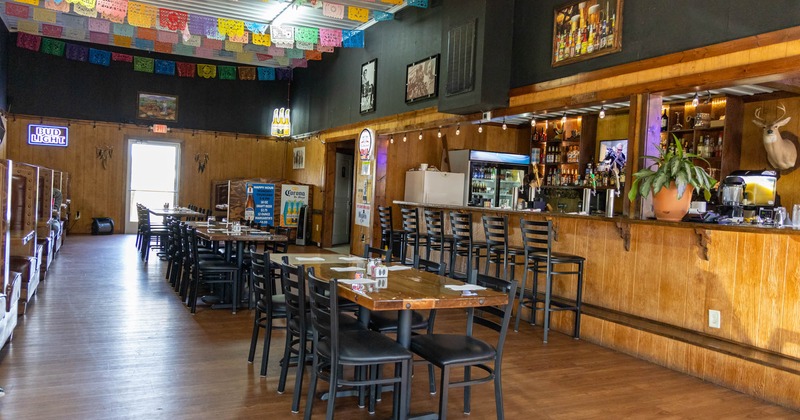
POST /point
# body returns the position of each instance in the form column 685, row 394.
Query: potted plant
column 672, row 182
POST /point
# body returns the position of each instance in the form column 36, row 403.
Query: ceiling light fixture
column 696, row 100
column 602, row 111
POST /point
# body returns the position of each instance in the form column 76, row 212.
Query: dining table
column 223, row 232
column 175, row 212
column 404, row 290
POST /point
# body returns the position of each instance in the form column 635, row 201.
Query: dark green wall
column 50, row 86
column 651, row 28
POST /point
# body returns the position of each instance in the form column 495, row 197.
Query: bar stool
column 389, row 236
column 437, row 240
column 495, row 228
column 464, row 245
column 537, row 239
column 411, row 235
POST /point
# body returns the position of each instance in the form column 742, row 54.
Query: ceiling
column 294, row 13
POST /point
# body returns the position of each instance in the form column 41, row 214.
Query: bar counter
column 671, row 275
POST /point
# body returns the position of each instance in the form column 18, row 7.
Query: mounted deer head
column 781, row 153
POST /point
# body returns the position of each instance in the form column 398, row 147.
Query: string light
column 480, row 128
column 420, row 135
column 602, row 111
column 458, row 129
column 391, row 139
column 564, row 118
column 404, row 138
column 439, row 133
column 696, row 100
column 505, row 127
column 533, row 121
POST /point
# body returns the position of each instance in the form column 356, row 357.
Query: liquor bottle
column 611, row 30
column 664, row 120
column 250, row 205
column 718, row 149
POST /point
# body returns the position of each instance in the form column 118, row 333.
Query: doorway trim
column 329, row 185
column 129, row 141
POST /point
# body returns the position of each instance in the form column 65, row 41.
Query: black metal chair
column 537, row 239
column 211, row 271
column 412, row 236
column 437, row 239
column 298, row 332
column 390, row 237
column 269, row 305
column 364, row 350
column 498, row 252
column 449, row 351
column 384, row 254
column 464, row 245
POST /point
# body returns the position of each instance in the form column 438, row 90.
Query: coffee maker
column 731, row 195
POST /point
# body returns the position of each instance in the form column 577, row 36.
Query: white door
column 152, row 177
column 342, row 198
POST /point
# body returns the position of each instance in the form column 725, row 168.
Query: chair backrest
column 461, row 228
column 293, row 284
column 410, row 220
column 431, row 266
column 495, row 228
column 493, row 317
column 384, row 254
column 193, row 251
column 263, row 284
column 282, row 246
column 434, row 223
column 323, row 303
column 537, row 237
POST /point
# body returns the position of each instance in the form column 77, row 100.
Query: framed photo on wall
column 422, row 79
column 156, row 106
column 586, row 29
column 368, row 86
column 299, row 158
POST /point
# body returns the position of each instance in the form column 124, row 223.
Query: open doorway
column 152, row 177
column 342, row 198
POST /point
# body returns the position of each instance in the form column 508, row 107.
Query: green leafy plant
column 672, row 164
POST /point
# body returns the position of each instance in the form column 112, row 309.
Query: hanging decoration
column 113, row 10
column 230, row 27
column 77, row 52
column 172, row 19
column 18, row 10
column 357, row 14
column 281, row 125
column 99, row 57
column 61, row 6
column 166, row 67
column 53, row 47
column 44, row 15
column 207, row 71
column 333, row 10
column 89, row 4
column 28, row 26
column 52, row 31
column 83, row 10
column 143, row 64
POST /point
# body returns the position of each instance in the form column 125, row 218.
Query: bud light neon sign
column 48, row 135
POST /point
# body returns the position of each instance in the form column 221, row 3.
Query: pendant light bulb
column 404, row 138
column 533, row 122
column 602, row 111
column 505, row 127
column 564, row 118
column 480, row 128
column 391, row 140
column 696, row 100
column 439, row 133
column 458, row 129
column 420, row 135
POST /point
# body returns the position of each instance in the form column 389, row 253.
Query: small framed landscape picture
column 422, row 79
column 368, row 86
column 584, row 29
column 156, row 106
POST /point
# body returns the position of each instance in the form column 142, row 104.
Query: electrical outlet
column 77, row 215
column 714, row 318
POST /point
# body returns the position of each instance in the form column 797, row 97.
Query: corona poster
column 293, row 198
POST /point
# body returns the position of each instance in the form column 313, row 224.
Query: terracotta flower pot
column 668, row 206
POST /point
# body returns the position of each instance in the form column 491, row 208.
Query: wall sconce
column 104, row 154
column 201, row 162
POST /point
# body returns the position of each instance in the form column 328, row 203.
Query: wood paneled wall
column 99, row 192
column 754, row 155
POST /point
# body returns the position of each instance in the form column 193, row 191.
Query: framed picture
column 368, row 86
column 155, row 106
column 299, row 160
column 422, row 79
column 613, row 153
column 586, row 29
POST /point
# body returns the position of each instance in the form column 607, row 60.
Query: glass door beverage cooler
column 491, row 177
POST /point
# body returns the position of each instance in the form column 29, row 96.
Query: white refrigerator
column 431, row 187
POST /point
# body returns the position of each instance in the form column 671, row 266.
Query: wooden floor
column 106, row 338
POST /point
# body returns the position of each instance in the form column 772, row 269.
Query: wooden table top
column 221, row 233
column 176, row 212
column 407, row 288
column 310, row 259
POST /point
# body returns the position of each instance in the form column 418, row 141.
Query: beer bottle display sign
column 293, row 198
column 250, row 205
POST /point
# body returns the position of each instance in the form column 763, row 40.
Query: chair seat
column 386, row 321
column 448, row 349
column 216, row 265
column 558, row 257
column 365, row 347
column 278, row 304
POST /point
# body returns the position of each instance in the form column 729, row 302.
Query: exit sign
column 160, row 128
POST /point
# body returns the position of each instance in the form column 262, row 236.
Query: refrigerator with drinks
column 490, row 177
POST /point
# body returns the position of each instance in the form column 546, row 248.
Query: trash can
column 102, row 226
